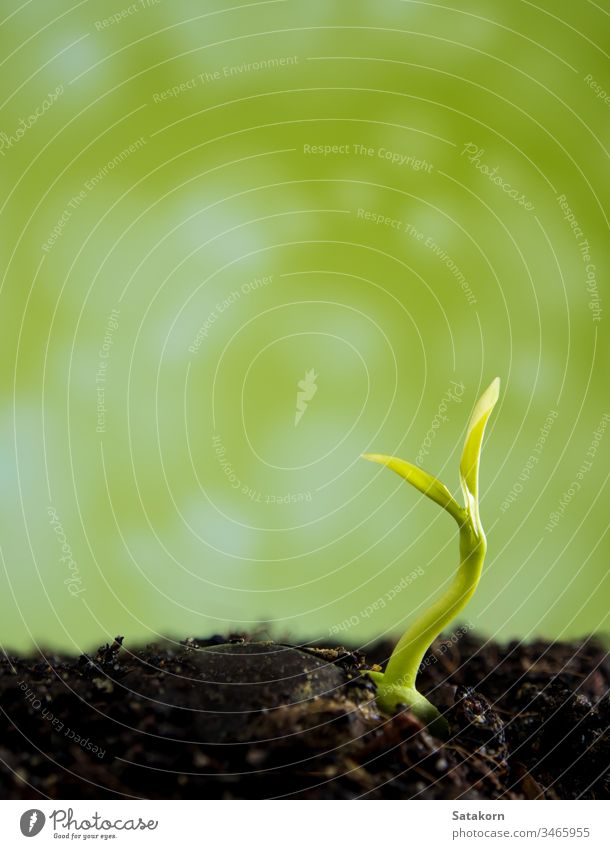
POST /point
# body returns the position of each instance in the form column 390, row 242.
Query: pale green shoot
column 396, row 686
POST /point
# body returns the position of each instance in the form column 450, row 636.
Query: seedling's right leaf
column 469, row 464
column 421, row 480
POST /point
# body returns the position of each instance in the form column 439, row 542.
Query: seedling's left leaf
column 421, row 480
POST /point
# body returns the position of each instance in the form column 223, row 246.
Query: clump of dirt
column 238, row 718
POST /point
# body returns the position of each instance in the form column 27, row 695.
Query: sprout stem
column 396, row 686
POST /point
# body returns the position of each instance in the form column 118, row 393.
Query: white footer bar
column 305, row 824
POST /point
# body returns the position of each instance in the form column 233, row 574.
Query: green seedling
column 396, row 686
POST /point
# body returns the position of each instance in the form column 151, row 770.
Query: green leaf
column 421, row 480
column 469, row 464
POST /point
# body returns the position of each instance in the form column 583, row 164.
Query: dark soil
column 228, row 718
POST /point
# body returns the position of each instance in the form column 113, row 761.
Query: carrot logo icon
column 32, row 822
column 306, row 389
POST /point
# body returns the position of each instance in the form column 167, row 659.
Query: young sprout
column 396, row 686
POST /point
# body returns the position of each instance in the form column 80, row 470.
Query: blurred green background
column 205, row 204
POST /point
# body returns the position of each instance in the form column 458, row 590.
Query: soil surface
column 232, row 717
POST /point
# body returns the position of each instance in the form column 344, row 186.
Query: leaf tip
column 485, row 404
column 493, row 391
column 373, row 458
